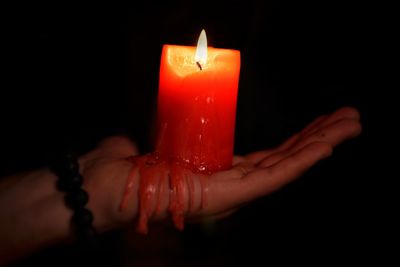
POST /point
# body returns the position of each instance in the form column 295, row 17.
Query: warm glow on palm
column 252, row 176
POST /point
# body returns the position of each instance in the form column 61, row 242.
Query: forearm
column 32, row 212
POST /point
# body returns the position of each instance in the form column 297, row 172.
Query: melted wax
column 152, row 171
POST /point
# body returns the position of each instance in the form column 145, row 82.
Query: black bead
column 82, row 218
column 68, row 184
column 66, row 167
column 71, row 167
column 77, row 199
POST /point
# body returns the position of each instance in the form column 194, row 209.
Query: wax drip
column 129, row 184
column 152, row 173
column 176, row 205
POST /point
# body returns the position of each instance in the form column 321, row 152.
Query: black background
column 81, row 72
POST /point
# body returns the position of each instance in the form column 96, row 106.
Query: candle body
column 197, row 107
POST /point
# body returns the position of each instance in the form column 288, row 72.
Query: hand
column 252, row 176
column 263, row 172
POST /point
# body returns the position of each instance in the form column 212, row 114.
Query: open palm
column 252, row 176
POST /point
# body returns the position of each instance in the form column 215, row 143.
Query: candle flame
column 201, row 51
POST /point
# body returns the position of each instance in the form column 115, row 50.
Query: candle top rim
column 194, row 47
column 181, row 59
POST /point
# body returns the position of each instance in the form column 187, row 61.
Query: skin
column 32, row 219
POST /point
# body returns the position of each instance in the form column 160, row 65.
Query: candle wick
column 199, row 65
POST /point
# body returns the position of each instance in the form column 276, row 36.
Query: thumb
column 118, row 146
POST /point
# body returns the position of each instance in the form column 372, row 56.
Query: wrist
column 105, row 188
column 70, row 182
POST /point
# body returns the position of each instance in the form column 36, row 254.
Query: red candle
column 197, row 105
column 196, row 120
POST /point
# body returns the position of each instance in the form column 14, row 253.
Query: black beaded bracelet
column 76, row 198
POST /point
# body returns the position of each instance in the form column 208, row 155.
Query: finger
column 225, row 193
column 332, row 134
column 340, row 114
column 295, row 138
column 263, row 181
column 118, row 146
column 317, row 124
column 325, row 120
column 256, row 157
column 314, row 124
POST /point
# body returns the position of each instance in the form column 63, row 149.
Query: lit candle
column 197, row 105
column 196, row 121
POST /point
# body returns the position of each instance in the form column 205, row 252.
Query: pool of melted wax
column 153, row 171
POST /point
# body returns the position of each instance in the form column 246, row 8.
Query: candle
column 197, row 105
column 195, row 123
